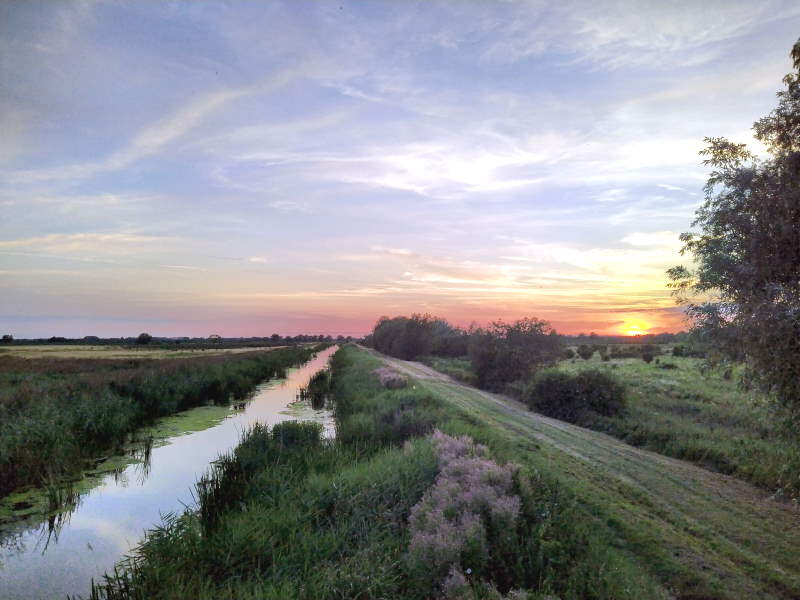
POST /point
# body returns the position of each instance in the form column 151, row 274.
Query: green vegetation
column 317, row 390
column 744, row 290
column 684, row 408
column 418, row 335
column 459, row 368
column 56, row 414
column 575, row 397
column 289, row 515
column 507, row 354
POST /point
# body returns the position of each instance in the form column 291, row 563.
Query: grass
column 691, row 412
column 459, row 368
column 55, row 414
column 701, row 534
column 290, row 515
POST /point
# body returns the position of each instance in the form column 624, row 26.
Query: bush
column 506, row 352
column 569, row 353
column 585, row 351
column 572, row 397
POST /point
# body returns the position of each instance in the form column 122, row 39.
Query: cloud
column 79, row 241
column 149, row 141
column 657, row 239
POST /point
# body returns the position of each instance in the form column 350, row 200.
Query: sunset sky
column 244, row 168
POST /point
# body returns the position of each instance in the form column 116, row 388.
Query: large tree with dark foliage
column 747, row 251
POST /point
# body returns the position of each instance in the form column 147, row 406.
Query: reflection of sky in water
column 112, row 517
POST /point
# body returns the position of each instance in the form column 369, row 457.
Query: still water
column 111, row 518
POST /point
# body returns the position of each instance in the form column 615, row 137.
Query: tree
column 744, row 289
column 7, row 338
column 144, row 338
column 505, row 353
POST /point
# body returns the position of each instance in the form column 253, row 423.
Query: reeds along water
column 53, row 425
column 317, row 390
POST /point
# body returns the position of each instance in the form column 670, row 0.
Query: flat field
column 116, row 352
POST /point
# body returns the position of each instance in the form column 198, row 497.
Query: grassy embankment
column 688, row 412
column 55, row 414
column 288, row 515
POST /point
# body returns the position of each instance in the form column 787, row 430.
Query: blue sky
column 250, row 167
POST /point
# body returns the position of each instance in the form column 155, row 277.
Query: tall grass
column 54, row 416
column 317, row 390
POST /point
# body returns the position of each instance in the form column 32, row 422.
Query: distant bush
column 585, row 351
column 570, row 397
column 144, row 338
column 625, row 351
column 569, row 353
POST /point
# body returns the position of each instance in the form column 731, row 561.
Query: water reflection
column 95, row 521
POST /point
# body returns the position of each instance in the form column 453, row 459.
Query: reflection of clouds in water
column 108, row 536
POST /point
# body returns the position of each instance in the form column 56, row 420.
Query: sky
column 244, row 168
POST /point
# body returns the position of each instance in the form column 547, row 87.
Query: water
column 111, row 518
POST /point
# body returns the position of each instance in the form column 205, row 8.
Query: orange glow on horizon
column 633, row 327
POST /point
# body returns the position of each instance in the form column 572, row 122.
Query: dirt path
column 734, row 539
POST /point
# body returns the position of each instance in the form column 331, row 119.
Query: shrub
column 390, row 379
column 452, row 525
column 572, row 397
column 585, row 351
column 506, row 352
column 569, row 353
column 144, row 338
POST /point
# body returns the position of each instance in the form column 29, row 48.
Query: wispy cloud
column 149, row 141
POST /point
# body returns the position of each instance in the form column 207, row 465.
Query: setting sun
column 635, row 327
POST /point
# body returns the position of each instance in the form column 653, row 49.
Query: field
column 44, row 351
column 691, row 412
column 291, row 516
